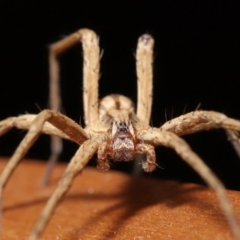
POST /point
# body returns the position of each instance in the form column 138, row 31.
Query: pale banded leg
column 91, row 66
column 61, row 122
column 205, row 120
column 233, row 137
column 144, row 61
column 25, row 122
column 199, row 121
column 80, row 159
column 168, row 139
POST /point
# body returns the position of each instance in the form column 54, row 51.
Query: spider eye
column 122, row 126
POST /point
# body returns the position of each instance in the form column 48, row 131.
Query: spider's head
column 122, row 129
column 121, row 135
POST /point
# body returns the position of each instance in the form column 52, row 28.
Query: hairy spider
column 113, row 130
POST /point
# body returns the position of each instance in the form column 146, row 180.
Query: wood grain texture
column 113, row 205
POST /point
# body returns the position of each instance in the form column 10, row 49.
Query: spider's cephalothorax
column 121, row 125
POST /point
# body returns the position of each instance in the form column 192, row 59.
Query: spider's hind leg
column 91, row 55
column 56, row 150
column 61, row 122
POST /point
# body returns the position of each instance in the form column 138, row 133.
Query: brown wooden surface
column 113, row 205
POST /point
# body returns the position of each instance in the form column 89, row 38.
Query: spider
column 113, row 130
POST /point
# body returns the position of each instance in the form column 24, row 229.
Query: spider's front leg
column 144, row 69
column 199, row 121
column 205, row 120
column 144, row 61
column 77, row 163
column 158, row 137
column 102, row 160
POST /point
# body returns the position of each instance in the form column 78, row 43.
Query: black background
column 197, row 60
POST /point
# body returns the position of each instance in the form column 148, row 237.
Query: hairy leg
column 233, row 137
column 59, row 121
column 163, row 138
column 25, row 122
column 78, row 162
column 205, row 120
column 144, row 61
column 199, row 121
column 91, row 66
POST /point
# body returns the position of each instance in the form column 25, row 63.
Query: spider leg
column 63, row 123
column 25, row 122
column 205, row 120
column 91, row 63
column 80, row 159
column 91, row 66
column 160, row 137
column 233, row 137
column 102, row 159
column 199, row 121
column 144, row 59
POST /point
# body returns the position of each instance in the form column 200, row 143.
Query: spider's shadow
column 138, row 193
